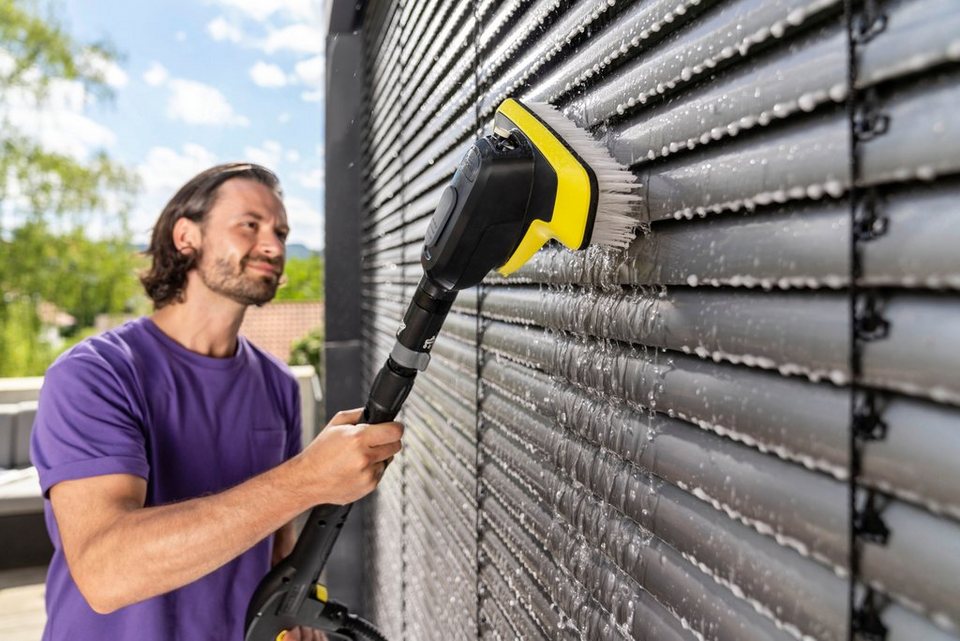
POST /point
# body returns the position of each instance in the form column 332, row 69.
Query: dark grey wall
column 709, row 435
column 342, row 351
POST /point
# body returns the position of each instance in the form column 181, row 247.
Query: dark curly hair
column 167, row 276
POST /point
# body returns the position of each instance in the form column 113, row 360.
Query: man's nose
column 271, row 244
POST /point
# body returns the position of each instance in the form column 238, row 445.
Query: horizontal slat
column 731, row 31
column 917, row 458
column 806, row 160
column 918, row 247
column 662, row 571
column 794, row 419
column 791, row 80
column 917, row 35
column 919, row 120
column 918, row 565
column 802, row 510
column 791, row 246
column 795, row 334
column 917, row 356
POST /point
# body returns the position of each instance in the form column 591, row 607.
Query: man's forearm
column 149, row 551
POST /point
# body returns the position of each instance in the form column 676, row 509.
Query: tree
column 304, row 279
column 46, row 254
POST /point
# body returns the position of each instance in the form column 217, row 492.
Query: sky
column 201, row 82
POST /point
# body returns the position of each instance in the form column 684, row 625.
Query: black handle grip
column 283, row 600
column 390, row 389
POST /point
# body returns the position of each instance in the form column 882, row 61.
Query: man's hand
column 303, row 634
column 346, row 460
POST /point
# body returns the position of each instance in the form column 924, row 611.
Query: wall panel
column 744, row 426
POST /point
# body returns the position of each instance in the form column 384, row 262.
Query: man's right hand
column 346, row 460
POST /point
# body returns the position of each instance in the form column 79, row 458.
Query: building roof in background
column 275, row 326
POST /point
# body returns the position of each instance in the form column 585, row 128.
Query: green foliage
column 23, row 354
column 309, row 351
column 82, row 276
column 304, row 278
column 47, row 256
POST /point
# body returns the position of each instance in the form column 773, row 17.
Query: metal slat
column 708, row 607
column 794, row 419
column 732, row 31
column 918, row 565
column 805, row 334
column 790, row 246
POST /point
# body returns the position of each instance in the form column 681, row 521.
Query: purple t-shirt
column 133, row 401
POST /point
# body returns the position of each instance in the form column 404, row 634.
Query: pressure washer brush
column 537, row 178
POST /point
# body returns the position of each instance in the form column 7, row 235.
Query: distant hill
column 294, row 250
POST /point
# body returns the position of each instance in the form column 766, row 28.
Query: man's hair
column 167, row 276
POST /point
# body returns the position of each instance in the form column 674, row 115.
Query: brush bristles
column 617, row 200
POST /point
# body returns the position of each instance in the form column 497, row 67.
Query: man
column 168, row 448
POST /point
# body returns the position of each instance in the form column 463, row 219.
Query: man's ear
column 186, row 236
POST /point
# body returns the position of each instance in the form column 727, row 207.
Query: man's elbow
column 99, row 592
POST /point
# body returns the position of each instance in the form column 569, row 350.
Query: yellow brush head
column 590, row 197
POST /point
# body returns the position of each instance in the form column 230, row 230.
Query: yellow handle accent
column 322, row 593
column 571, row 208
column 536, row 237
column 282, row 635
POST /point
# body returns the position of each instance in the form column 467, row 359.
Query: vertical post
column 342, row 375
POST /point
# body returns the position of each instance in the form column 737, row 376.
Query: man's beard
column 223, row 278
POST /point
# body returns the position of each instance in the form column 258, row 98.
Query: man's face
column 244, row 236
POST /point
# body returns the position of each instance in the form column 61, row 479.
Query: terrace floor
column 22, row 613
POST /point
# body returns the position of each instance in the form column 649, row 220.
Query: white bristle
column 617, row 199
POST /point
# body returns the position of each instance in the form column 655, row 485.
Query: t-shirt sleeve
column 85, row 425
column 295, row 421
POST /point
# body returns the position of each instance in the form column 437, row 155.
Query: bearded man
column 169, row 449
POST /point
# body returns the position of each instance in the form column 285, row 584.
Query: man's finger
column 347, row 417
column 384, row 452
column 382, row 433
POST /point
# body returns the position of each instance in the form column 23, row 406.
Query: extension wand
column 537, row 178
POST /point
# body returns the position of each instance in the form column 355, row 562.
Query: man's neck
column 207, row 327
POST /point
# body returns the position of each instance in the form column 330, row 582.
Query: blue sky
column 208, row 81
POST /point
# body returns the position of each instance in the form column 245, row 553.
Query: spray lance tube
column 511, row 193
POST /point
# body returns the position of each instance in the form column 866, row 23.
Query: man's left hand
column 304, row 634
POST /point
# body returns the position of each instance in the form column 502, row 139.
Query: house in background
column 273, row 328
column 276, row 326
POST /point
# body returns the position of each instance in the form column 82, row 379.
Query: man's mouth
column 266, row 268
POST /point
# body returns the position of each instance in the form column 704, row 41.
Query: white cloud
column 198, row 104
column 112, row 74
column 156, row 75
column 180, row 36
column 311, row 71
column 262, row 9
column 269, row 154
column 306, row 221
column 312, row 96
column 162, row 173
column 312, row 179
column 292, row 156
column 57, row 122
column 267, row 75
column 301, row 38
column 220, row 29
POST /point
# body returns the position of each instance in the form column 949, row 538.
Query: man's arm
column 283, row 541
column 120, row 552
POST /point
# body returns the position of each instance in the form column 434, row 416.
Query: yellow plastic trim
column 282, row 635
column 322, row 593
column 571, row 207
